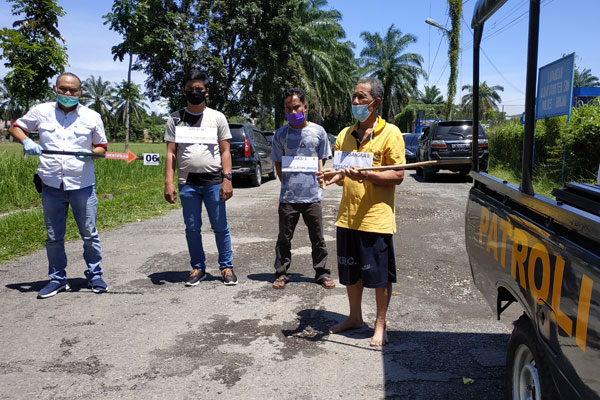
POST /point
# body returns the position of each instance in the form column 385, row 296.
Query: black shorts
column 365, row 256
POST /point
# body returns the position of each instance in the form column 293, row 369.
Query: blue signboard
column 555, row 88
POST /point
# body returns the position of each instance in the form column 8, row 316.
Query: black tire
column 527, row 372
column 428, row 174
column 419, row 171
column 272, row 174
column 256, row 178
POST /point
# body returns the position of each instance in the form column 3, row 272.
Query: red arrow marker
column 129, row 156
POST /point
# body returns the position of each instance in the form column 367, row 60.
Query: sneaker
column 52, row 288
column 229, row 277
column 97, row 285
column 95, row 282
column 196, row 276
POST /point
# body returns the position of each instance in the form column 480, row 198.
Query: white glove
column 32, row 148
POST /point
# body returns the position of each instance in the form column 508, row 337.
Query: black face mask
column 195, row 98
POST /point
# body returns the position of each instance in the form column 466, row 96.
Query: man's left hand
column 82, row 157
column 226, row 191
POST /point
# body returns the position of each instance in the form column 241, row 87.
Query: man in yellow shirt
column 366, row 218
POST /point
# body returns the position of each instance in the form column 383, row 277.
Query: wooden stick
column 402, row 166
column 323, row 186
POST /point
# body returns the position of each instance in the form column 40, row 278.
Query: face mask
column 296, row 119
column 67, row 101
column 195, row 98
column 361, row 112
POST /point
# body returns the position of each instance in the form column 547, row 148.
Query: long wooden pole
column 404, row 166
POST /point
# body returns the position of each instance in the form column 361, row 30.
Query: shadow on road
column 263, row 277
column 422, row 365
column 76, row 284
column 160, row 278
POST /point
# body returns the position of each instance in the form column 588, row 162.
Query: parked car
column 411, row 141
column 269, row 135
column 450, row 141
column 250, row 153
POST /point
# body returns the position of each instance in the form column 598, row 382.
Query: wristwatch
column 228, row 176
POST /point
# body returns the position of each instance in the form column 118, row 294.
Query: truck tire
column 256, row 178
column 527, row 372
column 419, row 171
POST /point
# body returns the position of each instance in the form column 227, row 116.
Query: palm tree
column 98, row 95
column 386, row 59
column 9, row 109
column 130, row 103
column 432, row 95
column 584, row 78
column 488, row 98
column 324, row 60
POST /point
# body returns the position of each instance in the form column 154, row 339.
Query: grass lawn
column 126, row 193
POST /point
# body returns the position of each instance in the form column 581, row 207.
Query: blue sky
column 565, row 27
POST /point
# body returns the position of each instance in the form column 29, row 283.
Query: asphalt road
column 150, row 337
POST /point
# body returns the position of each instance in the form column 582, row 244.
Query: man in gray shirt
column 297, row 149
column 197, row 140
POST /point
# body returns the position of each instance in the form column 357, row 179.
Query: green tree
column 399, row 71
column 9, row 109
column 130, row 102
column 455, row 12
column 431, row 95
column 325, row 61
column 488, row 98
column 32, row 50
column 584, row 78
column 99, row 96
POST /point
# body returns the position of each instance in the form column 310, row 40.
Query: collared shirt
column 364, row 206
column 312, row 141
column 80, row 129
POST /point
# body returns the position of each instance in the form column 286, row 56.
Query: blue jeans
column 55, row 203
column 192, row 198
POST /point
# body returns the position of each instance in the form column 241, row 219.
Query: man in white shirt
column 66, row 125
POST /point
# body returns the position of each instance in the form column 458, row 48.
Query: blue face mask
column 361, row 112
column 67, row 101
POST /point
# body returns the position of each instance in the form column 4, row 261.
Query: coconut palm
column 324, row 60
column 488, row 98
column 131, row 93
column 98, row 95
column 584, row 78
column 386, row 58
column 9, row 109
column 431, row 95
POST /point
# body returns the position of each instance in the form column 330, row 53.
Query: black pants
column 289, row 214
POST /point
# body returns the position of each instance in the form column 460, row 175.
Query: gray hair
column 376, row 86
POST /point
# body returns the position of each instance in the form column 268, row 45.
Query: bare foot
column 380, row 335
column 347, row 325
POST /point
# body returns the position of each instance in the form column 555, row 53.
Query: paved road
column 150, row 337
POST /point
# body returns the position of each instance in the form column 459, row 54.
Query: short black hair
column 290, row 92
column 196, row 75
column 68, row 74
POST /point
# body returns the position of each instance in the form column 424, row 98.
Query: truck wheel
column 419, row 171
column 256, row 178
column 527, row 373
column 428, row 174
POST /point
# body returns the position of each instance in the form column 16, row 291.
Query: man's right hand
column 170, row 193
column 32, row 148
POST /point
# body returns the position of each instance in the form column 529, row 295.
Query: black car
column 411, row 141
column 269, row 135
column 450, row 141
column 250, row 153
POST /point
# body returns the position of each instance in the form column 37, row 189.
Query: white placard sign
column 347, row 159
column 196, row 134
column 151, row 159
column 299, row 164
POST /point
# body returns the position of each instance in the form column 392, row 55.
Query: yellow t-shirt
column 364, row 206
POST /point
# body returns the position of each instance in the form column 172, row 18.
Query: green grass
column 126, row 193
column 542, row 184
